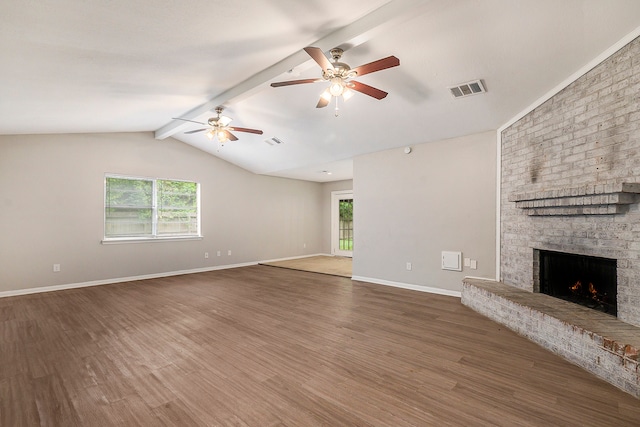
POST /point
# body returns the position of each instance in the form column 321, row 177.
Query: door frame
column 336, row 196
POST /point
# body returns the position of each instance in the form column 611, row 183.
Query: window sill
column 121, row 240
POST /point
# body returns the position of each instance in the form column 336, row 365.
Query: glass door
column 342, row 223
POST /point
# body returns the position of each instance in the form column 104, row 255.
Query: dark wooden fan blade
column 295, row 82
column 194, row 131
column 318, row 56
column 367, row 90
column 380, row 64
column 235, row 128
column 187, row 120
column 230, row 136
column 323, row 102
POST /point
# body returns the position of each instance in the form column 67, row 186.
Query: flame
column 593, row 293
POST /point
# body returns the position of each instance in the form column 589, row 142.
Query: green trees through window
column 148, row 208
column 346, row 225
column 177, row 207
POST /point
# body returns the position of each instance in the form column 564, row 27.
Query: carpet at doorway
column 333, row 265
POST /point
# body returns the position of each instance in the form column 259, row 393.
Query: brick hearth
column 595, row 341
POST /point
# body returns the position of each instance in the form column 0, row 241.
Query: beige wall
column 51, row 210
column 410, row 207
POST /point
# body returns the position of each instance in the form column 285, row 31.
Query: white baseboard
column 141, row 277
column 420, row 288
column 37, row 290
column 118, row 280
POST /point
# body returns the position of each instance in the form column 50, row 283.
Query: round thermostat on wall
column 407, row 150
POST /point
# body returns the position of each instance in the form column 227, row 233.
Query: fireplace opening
column 585, row 280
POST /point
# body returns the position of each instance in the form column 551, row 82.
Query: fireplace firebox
column 585, row 280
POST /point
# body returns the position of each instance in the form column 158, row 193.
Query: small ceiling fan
column 340, row 76
column 219, row 127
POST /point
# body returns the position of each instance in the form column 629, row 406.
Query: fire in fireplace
column 585, row 280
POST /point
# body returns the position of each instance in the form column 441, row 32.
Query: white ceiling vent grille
column 467, row 89
column 273, row 141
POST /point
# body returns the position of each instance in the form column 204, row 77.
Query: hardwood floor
column 265, row 346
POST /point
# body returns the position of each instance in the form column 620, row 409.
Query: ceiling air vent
column 273, row 141
column 467, row 89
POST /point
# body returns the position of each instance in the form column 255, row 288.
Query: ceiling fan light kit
column 221, row 135
column 337, row 86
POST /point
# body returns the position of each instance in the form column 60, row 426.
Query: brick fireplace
column 598, row 219
column 570, row 183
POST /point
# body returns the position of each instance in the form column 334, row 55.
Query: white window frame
column 154, row 208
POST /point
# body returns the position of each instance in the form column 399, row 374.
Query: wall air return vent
column 467, row 89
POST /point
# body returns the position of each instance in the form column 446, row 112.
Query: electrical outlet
column 56, row 268
column 218, row 253
column 206, row 255
column 408, row 266
column 474, row 264
column 229, row 252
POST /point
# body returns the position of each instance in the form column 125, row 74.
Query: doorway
column 342, row 223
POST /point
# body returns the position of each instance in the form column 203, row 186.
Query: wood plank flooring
column 264, row 346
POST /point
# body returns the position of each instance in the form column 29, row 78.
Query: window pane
column 177, row 208
column 128, row 207
column 346, row 225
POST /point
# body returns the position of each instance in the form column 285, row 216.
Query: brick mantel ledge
column 591, row 199
column 595, row 341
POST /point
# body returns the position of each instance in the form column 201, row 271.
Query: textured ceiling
column 122, row 66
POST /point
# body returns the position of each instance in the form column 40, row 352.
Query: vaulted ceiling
column 133, row 65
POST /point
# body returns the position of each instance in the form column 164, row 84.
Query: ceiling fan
column 219, row 127
column 340, row 76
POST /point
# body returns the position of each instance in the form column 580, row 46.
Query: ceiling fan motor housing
column 340, row 70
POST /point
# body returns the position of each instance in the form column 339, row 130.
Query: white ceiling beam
column 354, row 34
